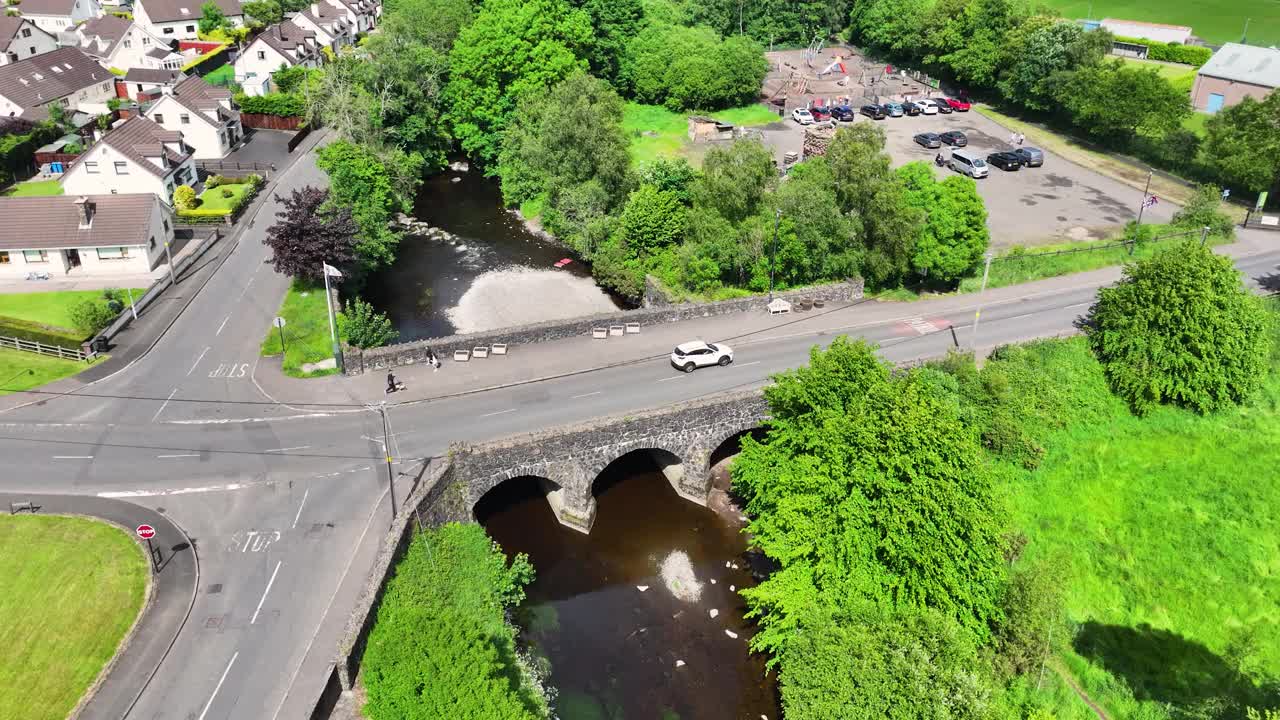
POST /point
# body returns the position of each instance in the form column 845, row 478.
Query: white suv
column 927, row 106
column 692, row 355
column 802, row 116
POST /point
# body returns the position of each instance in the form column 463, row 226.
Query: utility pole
column 1146, row 192
column 386, row 448
column 173, row 279
column 739, row 17
column 1204, row 235
column 773, row 249
column 977, row 314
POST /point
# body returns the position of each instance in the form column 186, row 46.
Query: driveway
column 1057, row 202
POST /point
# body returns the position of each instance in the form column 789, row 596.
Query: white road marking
column 300, row 447
column 921, row 326
column 576, row 397
column 300, row 506
column 219, row 685
column 753, row 362
column 178, row 456
column 224, row 324
column 674, row 377
column 197, row 362
column 72, row 457
column 270, row 582
column 165, row 405
column 500, row 412
column 175, row 491
column 225, row 421
column 247, row 285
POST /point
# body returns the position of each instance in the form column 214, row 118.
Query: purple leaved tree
column 310, row 231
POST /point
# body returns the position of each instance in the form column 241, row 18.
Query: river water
column 494, row 273
column 614, row 648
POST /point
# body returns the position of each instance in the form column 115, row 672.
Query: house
column 179, row 19
column 203, row 113
column 285, row 44
column 363, row 14
column 139, row 156
column 54, row 16
column 90, row 235
column 1233, row 73
column 65, row 76
column 21, row 39
column 142, row 83
column 331, row 25
column 1155, row 32
column 123, row 44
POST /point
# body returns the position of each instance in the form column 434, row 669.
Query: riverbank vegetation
column 946, row 536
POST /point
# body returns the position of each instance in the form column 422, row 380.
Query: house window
column 185, row 119
column 128, row 43
column 262, row 54
column 166, row 225
column 122, row 167
column 65, row 102
column 26, row 32
column 168, row 31
column 151, row 244
column 90, row 167
column 35, row 256
column 113, row 253
column 32, row 49
column 159, row 118
column 146, row 40
column 191, row 28
column 4, row 258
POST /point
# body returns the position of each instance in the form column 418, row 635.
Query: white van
column 968, row 162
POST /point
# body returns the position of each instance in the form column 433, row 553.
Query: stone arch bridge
column 682, row 438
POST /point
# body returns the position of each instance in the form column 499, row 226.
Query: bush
column 1204, row 209
column 364, row 327
column 1172, row 52
column 36, row 332
column 184, row 198
column 214, row 181
column 228, row 192
column 278, row 104
column 90, row 316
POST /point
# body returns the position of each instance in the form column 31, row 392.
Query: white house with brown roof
column 203, row 113
column 139, row 156
column 65, row 77
column 21, row 39
column 179, row 19
column 54, row 16
column 363, row 14
column 332, row 27
column 122, row 44
column 148, row 81
column 283, row 45
column 90, row 235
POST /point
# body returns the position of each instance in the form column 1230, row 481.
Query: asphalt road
column 285, row 505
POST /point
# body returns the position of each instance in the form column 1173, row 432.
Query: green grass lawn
column 1217, row 21
column 72, row 589
column 212, row 198
column 35, row 188
column 306, row 331
column 14, row 365
column 1180, row 76
column 656, row 132
column 223, row 76
column 1195, row 123
column 48, row 308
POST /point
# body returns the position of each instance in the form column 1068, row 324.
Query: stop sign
column 146, row 532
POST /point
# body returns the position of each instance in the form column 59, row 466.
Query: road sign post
column 146, row 532
column 279, row 323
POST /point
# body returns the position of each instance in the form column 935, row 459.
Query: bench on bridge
column 17, row 507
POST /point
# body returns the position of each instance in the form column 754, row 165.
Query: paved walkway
column 173, row 592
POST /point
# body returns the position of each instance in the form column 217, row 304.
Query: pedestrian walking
column 435, row 361
column 1013, row 138
column 1021, row 138
column 391, row 382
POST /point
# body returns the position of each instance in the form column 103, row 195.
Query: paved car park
column 1056, row 202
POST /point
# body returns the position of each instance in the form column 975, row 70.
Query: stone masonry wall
column 358, row 362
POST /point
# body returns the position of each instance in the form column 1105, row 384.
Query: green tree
column 815, row 240
column 1116, row 100
column 264, row 12
column 1242, row 143
column 184, row 197
column 91, row 315
column 652, row 219
column 447, row 18
column 513, row 49
column 212, row 18
column 613, row 22
column 734, row 179
column 872, row 663
column 1044, row 57
column 1035, row 620
column 364, row 182
column 868, row 487
column 365, row 327
column 674, row 176
column 687, row 68
column 954, row 234
column 1204, row 210
column 1178, row 328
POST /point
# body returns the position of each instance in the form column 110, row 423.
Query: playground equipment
column 815, row 47
column 837, row 64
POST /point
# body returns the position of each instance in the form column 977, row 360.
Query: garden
column 221, row 200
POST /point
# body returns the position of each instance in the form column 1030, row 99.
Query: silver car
column 1030, row 157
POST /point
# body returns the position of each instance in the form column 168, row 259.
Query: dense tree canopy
column 1114, row 98
column 954, row 234
column 1242, row 143
column 375, row 189
column 692, row 68
column 1179, row 328
column 310, row 230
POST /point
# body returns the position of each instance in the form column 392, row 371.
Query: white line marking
column 500, row 412
column 224, row 324
column 300, row 447
column 225, row 421
column 753, row 362
column 270, row 582
column 674, row 377
column 300, row 506
column 72, row 457
column 165, row 405
column 178, row 456
column 219, row 685
column 248, row 284
column 197, row 362
column 175, row 491
column 575, row 397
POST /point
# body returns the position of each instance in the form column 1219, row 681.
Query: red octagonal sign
column 146, row 532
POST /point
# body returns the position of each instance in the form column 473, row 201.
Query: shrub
column 278, row 104
column 184, row 198
column 91, row 315
column 1204, row 209
column 35, row 332
column 365, row 327
column 1172, row 52
column 228, row 192
column 214, row 181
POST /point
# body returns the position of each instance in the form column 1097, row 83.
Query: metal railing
column 1131, row 245
column 57, row 351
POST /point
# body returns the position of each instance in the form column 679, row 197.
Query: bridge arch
column 509, row 489
column 668, row 462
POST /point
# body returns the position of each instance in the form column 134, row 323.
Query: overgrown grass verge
column 49, row 308
column 657, row 132
column 306, row 331
column 15, row 364
column 72, row 589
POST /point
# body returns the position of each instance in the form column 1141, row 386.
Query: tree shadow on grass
column 1164, row 667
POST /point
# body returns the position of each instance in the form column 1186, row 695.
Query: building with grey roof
column 66, row 76
column 179, row 19
column 83, row 235
column 54, row 16
column 20, row 38
column 138, row 156
column 1233, row 73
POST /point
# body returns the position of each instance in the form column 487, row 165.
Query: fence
column 270, row 122
column 38, row 347
column 222, row 167
column 1256, row 219
column 1131, row 245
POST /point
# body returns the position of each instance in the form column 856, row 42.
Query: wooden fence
column 38, row 347
column 270, row 122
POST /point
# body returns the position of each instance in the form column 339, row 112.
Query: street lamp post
column 773, row 250
column 132, row 308
column 168, row 254
column 977, row 314
column 386, row 451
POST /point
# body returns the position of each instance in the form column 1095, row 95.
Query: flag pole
column 328, row 301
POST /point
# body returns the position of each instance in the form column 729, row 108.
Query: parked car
column 802, row 116
column 843, row 113
column 929, row 140
column 927, row 106
column 1005, row 160
column 954, row 138
column 875, row 112
column 912, row 109
column 1030, row 157
column 820, row 114
column 969, row 163
column 958, row 105
column 893, row 109
column 693, row 355
column 942, row 106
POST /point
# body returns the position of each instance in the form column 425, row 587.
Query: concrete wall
column 1232, row 91
column 410, row 353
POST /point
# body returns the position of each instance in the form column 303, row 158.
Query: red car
column 958, row 105
column 820, row 114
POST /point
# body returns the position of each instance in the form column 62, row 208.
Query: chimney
column 315, row 9
column 85, row 206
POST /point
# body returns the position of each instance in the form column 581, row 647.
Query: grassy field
column 14, row 365
column 72, row 589
column 1216, row 21
column 212, row 199
column 224, row 76
column 48, row 308
column 1180, row 76
column 35, row 188
column 1169, row 527
column 657, row 132
column 306, row 331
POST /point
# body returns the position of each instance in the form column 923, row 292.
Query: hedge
column 206, row 57
column 36, row 332
column 278, row 104
column 17, row 151
column 1172, row 52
